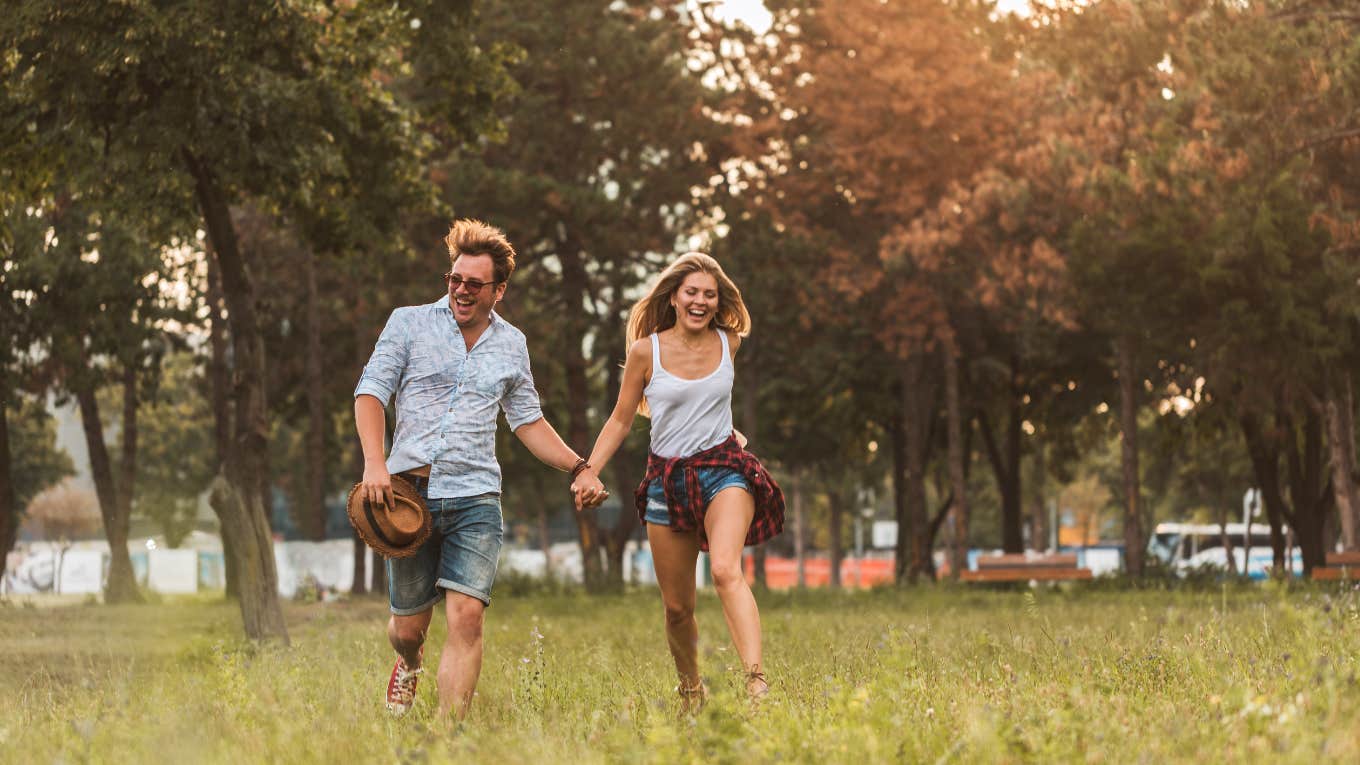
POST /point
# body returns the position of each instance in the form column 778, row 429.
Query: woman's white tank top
column 689, row 416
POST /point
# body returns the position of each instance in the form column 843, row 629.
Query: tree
column 93, row 322
column 32, row 460
column 289, row 84
column 1131, row 250
column 888, row 107
column 65, row 513
column 1267, row 144
column 177, row 461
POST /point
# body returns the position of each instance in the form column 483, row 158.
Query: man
column 451, row 364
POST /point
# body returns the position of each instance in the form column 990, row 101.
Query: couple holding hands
column 453, row 363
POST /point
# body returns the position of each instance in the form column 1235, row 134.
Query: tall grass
column 913, row 676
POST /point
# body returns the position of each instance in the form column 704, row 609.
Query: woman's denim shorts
column 711, row 481
column 460, row 555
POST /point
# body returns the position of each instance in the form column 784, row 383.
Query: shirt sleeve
column 382, row 373
column 520, row 403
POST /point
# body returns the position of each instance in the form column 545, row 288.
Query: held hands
column 377, row 483
column 587, row 490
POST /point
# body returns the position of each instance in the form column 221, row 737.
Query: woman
column 703, row 490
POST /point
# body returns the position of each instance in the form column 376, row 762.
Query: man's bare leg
column 461, row 662
column 407, row 635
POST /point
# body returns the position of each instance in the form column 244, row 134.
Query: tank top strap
column 656, row 354
column 727, row 350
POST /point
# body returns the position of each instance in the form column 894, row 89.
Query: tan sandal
column 692, row 697
column 756, row 677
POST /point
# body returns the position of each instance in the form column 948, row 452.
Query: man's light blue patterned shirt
column 447, row 396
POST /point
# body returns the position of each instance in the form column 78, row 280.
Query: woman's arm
column 636, row 369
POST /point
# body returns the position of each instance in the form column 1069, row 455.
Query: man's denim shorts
column 460, row 555
column 711, row 481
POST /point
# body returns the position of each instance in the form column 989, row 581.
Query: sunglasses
column 470, row 286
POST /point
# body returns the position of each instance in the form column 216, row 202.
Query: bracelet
column 580, row 465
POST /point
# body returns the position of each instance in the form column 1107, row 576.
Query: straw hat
column 394, row 532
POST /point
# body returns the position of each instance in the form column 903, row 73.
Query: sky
column 755, row 16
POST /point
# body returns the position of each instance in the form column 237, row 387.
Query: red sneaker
column 401, row 688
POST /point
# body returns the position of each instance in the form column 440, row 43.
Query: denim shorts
column 460, row 555
column 711, row 481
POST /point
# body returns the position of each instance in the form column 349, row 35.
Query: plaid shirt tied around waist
column 687, row 510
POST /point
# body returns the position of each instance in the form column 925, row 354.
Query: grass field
column 1085, row 675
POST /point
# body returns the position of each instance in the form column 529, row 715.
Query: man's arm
column 371, row 421
column 542, row 441
column 377, row 384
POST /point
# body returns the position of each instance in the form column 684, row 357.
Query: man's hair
column 473, row 237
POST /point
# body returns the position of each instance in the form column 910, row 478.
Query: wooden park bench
column 1021, row 567
column 1340, row 565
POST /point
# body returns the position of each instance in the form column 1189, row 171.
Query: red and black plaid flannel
column 687, row 510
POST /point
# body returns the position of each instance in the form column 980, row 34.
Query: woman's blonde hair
column 654, row 312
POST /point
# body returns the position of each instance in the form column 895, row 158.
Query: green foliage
column 37, row 463
column 176, row 459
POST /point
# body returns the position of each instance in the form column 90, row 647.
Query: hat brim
column 365, row 524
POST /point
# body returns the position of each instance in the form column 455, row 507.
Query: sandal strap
column 691, row 691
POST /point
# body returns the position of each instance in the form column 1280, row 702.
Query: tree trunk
column 127, row 479
column 616, row 538
column 1134, row 537
column 957, row 478
column 1265, row 464
column 835, row 512
column 1341, row 447
column 1038, row 521
column 9, row 503
column 799, row 551
column 240, row 506
column 219, row 372
column 314, row 503
column 624, row 468
column 1225, row 539
column 1012, row 537
column 1308, row 491
column 1006, row 468
column 545, row 539
column 918, row 408
column 896, row 432
column 575, row 289
column 122, row 585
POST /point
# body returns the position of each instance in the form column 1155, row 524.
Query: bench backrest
column 1020, row 560
column 1351, row 558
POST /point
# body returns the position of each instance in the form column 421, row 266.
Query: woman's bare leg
column 674, row 556
column 727, row 521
